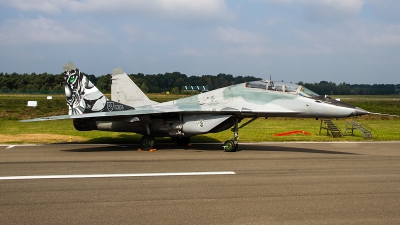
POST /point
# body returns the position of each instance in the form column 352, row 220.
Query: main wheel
column 229, row 146
column 147, row 142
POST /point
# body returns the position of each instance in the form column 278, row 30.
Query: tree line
column 330, row 88
column 173, row 82
column 149, row 83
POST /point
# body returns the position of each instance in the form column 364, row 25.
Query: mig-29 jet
column 130, row 110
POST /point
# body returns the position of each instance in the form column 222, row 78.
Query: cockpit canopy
column 282, row 87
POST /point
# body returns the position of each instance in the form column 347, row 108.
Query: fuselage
column 266, row 99
column 215, row 111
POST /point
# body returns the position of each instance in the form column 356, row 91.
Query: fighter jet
column 130, row 110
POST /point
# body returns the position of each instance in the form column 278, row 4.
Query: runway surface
column 265, row 183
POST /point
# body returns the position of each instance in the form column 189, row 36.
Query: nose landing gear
column 230, row 146
column 233, row 144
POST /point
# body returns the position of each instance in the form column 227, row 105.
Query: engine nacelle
column 85, row 124
column 201, row 123
column 193, row 124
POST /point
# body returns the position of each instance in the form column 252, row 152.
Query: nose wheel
column 230, row 146
column 233, row 144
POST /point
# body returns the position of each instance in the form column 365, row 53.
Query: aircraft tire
column 229, row 146
column 147, row 142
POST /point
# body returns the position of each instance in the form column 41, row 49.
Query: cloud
column 332, row 10
column 187, row 51
column 300, row 43
column 381, row 35
column 48, row 6
column 387, row 10
column 384, row 40
column 313, row 49
column 235, row 36
column 250, row 50
column 242, row 42
column 47, row 31
column 134, row 32
column 177, row 10
column 159, row 38
column 326, row 10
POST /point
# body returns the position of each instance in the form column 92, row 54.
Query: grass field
column 13, row 108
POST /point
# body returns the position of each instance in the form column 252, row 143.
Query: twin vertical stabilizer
column 83, row 97
column 125, row 91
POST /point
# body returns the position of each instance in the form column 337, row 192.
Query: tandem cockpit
column 282, row 87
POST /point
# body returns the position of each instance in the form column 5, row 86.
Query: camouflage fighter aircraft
column 130, row 110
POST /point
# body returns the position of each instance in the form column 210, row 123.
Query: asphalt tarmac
column 265, row 183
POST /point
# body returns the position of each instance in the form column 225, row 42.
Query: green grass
column 386, row 104
column 13, row 108
column 262, row 130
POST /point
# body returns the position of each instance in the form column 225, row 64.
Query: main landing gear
column 147, row 142
column 232, row 145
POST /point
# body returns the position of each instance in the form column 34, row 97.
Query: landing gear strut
column 233, row 144
column 147, row 142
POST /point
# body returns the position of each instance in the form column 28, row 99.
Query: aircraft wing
column 185, row 109
column 97, row 115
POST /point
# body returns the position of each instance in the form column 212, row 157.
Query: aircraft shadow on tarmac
column 205, row 147
column 124, row 143
column 134, row 138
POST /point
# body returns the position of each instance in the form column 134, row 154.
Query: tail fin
column 125, row 91
column 83, row 97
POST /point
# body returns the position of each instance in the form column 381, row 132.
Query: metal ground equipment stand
column 352, row 125
column 330, row 127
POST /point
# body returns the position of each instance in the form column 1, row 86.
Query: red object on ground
column 293, row 132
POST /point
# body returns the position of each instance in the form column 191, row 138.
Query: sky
column 351, row 41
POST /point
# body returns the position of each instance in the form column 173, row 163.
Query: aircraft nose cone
column 359, row 112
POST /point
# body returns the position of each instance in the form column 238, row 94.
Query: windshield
column 307, row 93
column 282, row 87
column 256, row 84
column 285, row 87
column 273, row 86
